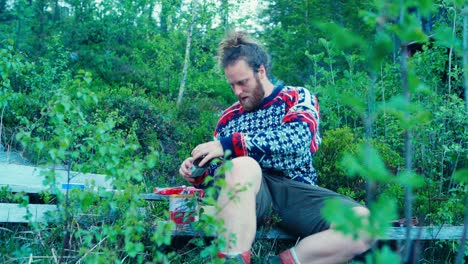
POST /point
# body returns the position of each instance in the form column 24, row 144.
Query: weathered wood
column 14, row 213
column 20, row 178
column 445, row 232
column 393, row 233
column 153, row 197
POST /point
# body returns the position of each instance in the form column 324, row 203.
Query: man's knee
column 244, row 170
column 364, row 242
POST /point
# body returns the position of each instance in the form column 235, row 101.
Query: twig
column 1, row 124
column 67, row 220
column 92, row 249
column 30, row 259
column 6, row 229
column 187, row 252
column 54, row 255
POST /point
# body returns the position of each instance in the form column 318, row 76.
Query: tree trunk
column 224, row 14
column 165, row 9
column 451, row 51
column 187, row 54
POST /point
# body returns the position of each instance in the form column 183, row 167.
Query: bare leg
column 331, row 246
column 239, row 214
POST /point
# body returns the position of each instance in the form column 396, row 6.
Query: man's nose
column 237, row 89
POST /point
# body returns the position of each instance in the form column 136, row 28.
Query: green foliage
column 346, row 220
column 334, row 145
column 92, row 145
column 291, row 30
column 388, row 113
column 383, row 256
column 461, row 176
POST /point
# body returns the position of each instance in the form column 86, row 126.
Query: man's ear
column 262, row 71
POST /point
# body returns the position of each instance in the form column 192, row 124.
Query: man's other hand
column 208, row 151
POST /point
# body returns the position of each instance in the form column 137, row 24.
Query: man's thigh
column 263, row 202
column 298, row 205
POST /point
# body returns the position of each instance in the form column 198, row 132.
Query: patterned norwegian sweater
column 282, row 134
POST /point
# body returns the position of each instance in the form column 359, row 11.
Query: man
column 271, row 134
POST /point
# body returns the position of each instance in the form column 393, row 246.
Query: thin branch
column 408, row 155
column 408, row 147
column 91, row 250
column 451, row 51
column 66, row 243
column 1, row 124
column 54, row 255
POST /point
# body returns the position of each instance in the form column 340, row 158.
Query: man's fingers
column 185, row 169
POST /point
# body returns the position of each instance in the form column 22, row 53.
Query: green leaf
column 411, row 179
column 367, row 163
column 383, row 211
column 410, row 30
column 461, row 176
column 354, row 101
column 341, row 37
column 342, row 217
column 445, row 37
column 383, row 45
column 383, row 256
column 151, row 160
column 133, row 248
column 426, row 7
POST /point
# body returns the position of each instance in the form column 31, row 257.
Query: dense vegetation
column 108, row 87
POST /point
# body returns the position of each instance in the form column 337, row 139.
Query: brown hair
column 238, row 45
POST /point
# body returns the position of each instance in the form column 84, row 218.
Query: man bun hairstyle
column 239, row 45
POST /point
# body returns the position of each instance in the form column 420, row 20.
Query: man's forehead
column 239, row 64
column 238, row 71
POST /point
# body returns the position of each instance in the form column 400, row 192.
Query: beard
column 255, row 99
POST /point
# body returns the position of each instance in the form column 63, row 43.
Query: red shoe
column 243, row 258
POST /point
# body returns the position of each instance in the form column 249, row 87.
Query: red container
column 183, row 208
column 183, row 203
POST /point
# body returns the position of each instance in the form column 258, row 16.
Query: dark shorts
column 297, row 204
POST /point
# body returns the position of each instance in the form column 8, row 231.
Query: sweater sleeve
column 234, row 144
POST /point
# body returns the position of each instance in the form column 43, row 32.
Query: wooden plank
column 13, row 213
column 20, row 178
column 393, row 233
column 427, row 233
column 153, row 197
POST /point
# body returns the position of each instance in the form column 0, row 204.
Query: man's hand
column 207, row 151
column 186, row 169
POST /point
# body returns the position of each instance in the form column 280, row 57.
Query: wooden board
column 428, row 232
column 20, row 178
column 393, row 233
column 14, row 213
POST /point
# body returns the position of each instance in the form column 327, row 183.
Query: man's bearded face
column 245, row 84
